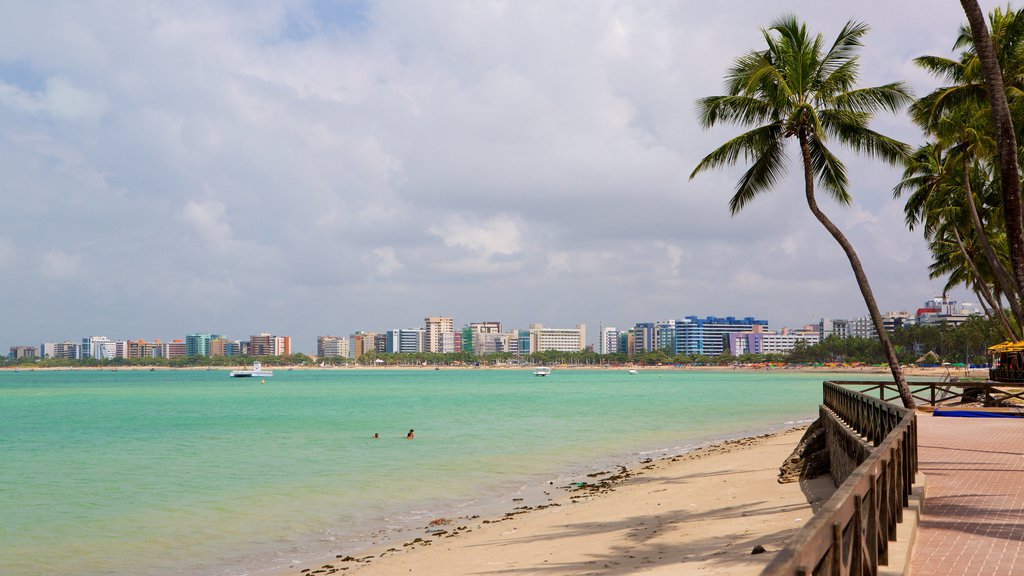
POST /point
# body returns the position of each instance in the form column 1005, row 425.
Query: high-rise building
column 331, row 347
column 173, row 349
column 99, row 347
column 665, row 335
column 435, row 326
column 199, row 344
column 761, row 341
column 833, row 327
column 709, row 336
column 559, row 339
column 524, row 341
column 265, row 344
column 405, row 341
column 609, row 340
column 143, row 349
column 68, row 350
column 48, row 350
column 223, row 347
column 485, row 327
column 22, row 352
column 940, row 310
column 361, row 343
column 644, row 337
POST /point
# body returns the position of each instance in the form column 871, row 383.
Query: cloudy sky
column 323, row 166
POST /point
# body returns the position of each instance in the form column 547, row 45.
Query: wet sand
column 699, row 513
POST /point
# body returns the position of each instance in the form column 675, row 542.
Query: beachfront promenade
column 973, row 520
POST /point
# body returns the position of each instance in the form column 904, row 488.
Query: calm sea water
column 190, row 472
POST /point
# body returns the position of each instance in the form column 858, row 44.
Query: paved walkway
column 973, row 521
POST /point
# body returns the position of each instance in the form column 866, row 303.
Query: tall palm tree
column 1006, row 139
column 942, row 199
column 799, row 87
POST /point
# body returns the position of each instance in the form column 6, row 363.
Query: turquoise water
column 186, row 472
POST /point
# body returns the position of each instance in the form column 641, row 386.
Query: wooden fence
column 875, row 465
column 935, row 393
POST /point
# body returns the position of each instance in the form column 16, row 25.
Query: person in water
column 409, row 436
column 376, row 435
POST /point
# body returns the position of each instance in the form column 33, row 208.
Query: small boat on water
column 542, row 371
column 632, row 371
column 256, row 372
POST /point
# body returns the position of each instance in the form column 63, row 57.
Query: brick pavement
column 973, row 520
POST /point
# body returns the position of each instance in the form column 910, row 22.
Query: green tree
column 796, row 87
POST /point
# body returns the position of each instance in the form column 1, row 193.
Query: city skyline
column 308, row 165
column 198, row 342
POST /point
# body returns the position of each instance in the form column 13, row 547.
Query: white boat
column 632, row 371
column 256, row 372
column 542, row 371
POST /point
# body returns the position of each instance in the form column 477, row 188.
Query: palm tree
column 1006, row 139
column 796, row 87
column 939, row 183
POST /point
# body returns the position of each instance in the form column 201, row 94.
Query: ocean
column 181, row 472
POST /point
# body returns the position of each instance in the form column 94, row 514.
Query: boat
column 542, row 371
column 632, row 371
column 256, row 372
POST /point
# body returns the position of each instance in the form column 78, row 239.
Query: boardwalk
column 973, row 521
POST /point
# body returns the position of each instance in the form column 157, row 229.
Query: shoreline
column 590, row 516
column 916, row 371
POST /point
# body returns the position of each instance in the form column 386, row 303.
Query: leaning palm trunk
column 993, row 310
column 858, row 272
column 990, row 313
column 1003, row 280
column 1006, row 140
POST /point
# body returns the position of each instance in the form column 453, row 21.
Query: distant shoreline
column 914, row 371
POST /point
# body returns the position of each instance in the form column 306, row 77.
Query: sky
column 315, row 167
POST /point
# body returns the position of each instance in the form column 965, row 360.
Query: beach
column 697, row 513
column 109, row 469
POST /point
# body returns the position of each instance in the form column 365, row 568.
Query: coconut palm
column 800, row 87
column 941, row 183
column 1005, row 138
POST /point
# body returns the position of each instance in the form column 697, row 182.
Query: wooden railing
column 934, row 393
column 850, row 535
column 1006, row 375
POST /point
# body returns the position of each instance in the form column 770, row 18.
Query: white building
column 761, row 341
column 559, row 339
column 435, row 326
column 608, row 342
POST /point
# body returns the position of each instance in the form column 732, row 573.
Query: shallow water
column 184, row 472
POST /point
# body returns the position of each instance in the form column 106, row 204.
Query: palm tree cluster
column 953, row 184
column 962, row 187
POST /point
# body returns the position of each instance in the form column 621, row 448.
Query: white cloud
column 61, row 99
column 383, row 261
column 384, row 168
column 207, row 218
column 498, row 235
column 59, row 265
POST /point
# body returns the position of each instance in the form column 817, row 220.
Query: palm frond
column 742, row 110
column 851, row 129
column 890, row 97
column 750, row 145
column 945, row 69
column 763, row 174
column 829, row 171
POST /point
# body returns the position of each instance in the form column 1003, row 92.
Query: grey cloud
column 274, row 167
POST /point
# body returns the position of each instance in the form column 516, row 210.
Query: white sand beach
column 701, row 513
